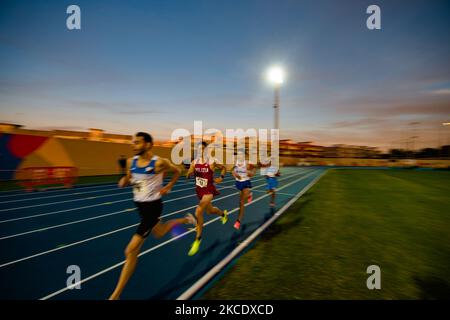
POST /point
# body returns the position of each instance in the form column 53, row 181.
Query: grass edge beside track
column 412, row 254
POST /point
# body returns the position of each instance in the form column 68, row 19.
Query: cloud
column 384, row 133
column 35, row 52
column 140, row 112
column 421, row 108
column 362, row 123
column 381, row 106
column 122, row 108
column 50, row 128
column 440, row 92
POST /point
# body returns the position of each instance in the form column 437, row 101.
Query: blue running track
column 42, row 233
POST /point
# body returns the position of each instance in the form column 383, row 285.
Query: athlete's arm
column 277, row 173
column 234, row 174
column 191, row 170
column 165, row 165
column 222, row 172
column 125, row 180
column 251, row 170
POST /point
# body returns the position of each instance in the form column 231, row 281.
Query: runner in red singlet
column 203, row 170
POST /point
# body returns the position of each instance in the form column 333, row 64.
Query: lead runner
column 145, row 172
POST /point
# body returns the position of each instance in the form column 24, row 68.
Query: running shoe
column 194, row 247
column 237, row 225
column 225, row 216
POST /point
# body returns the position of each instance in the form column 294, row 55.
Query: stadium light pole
column 446, row 124
column 275, row 75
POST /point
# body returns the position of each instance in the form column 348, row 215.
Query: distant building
column 9, row 127
column 350, row 151
column 92, row 135
column 18, row 129
column 304, row 149
column 287, row 147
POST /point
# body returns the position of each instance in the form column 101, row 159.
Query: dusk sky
column 159, row 65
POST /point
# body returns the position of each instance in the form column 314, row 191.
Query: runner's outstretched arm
column 251, row 170
column 191, row 170
column 222, row 172
column 234, row 174
column 126, row 180
column 165, row 166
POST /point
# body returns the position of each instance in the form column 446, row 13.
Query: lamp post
column 446, row 124
column 276, row 76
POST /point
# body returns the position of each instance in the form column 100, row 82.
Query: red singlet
column 204, row 180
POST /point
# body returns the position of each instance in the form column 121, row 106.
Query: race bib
column 142, row 187
column 201, row 182
column 138, row 186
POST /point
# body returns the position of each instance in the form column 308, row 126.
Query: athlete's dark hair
column 147, row 137
column 204, row 144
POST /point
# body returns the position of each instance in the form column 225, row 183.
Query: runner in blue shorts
column 242, row 171
column 271, row 172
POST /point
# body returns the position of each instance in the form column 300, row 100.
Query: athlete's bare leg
column 213, row 210
column 162, row 228
column 243, row 196
column 202, row 205
column 131, row 254
column 133, row 249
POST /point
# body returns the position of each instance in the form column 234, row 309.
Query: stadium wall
column 18, row 151
column 425, row 163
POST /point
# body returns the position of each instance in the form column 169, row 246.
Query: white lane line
column 88, row 219
column 77, row 208
column 61, row 211
column 51, row 295
column 225, row 261
column 282, row 193
column 73, row 200
column 103, row 215
column 113, row 231
column 95, row 205
column 114, row 187
column 66, row 224
column 62, row 189
column 62, row 195
column 64, row 201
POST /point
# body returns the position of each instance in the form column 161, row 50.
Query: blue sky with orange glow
column 159, row 65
